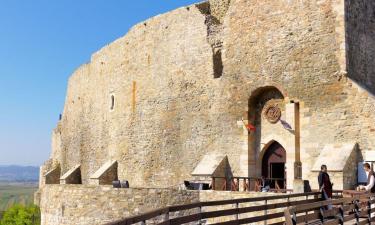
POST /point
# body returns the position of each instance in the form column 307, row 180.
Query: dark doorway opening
column 273, row 165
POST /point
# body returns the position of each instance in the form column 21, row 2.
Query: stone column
column 248, row 166
column 293, row 162
column 298, row 185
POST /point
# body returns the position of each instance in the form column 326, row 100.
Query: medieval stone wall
column 84, row 204
column 177, row 86
column 169, row 110
column 97, row 205
column 299, row 47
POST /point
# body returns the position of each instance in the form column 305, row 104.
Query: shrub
column 21, row 215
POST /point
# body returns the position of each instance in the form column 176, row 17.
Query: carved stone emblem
column 272, row 113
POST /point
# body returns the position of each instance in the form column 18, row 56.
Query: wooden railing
column 357, row 210
column 269, row 209
column 248, row 184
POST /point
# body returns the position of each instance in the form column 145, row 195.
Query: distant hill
column 19, row 173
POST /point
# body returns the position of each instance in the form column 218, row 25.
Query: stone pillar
column 245, row 162
column 294, row 165
column 252, row 151
column 297, row 143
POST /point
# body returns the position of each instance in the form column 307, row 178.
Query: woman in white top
column 370, row 187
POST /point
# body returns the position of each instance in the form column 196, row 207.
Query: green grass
column 11, row 194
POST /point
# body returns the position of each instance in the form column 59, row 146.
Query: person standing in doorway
column 325, row 185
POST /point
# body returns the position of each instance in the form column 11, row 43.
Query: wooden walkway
column 358, row 210
column 264, row 210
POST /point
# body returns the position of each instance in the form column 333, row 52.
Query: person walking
column 325, row 185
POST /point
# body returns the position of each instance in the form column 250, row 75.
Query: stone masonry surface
column 173, row 89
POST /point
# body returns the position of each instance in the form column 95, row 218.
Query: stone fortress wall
column 87, row 204
column 81, row 208
column 177, row 85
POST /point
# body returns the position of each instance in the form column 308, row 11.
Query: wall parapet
column 105, row 174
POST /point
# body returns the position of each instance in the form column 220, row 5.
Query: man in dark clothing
column 325, row 185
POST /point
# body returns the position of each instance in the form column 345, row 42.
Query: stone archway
column 273, row 164
column 259, row 101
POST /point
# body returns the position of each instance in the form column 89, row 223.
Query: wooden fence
column 247, row 184
column 235, row 211
column 358, row 210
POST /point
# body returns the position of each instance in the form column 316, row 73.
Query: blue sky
column 41, row 43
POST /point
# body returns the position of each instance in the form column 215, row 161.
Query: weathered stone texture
column 96, row 205
column 360, row 34
column 219, row 8
column 72, row 176
column 49, row 172
column 169, row 110
column 181, row 82
column 106, row 174
column 53, row 176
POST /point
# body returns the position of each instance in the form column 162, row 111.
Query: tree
column 21, row 215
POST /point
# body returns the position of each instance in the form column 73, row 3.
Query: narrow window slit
column 112, row 102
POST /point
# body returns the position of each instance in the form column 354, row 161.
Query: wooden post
column 356, row 211
column 369, row 211
column 232, row 184
column 166, row 216
column 297, row 143
column 307, row 198
column 341, row 214
column 200, row 215
column 237, row 205
column 265, row 212
column 224, row 188
column 289, row 219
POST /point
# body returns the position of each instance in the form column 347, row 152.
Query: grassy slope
column 16, row 194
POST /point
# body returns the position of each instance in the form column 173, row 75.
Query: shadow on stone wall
column 360, row 42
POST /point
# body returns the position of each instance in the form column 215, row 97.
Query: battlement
column 235, row 79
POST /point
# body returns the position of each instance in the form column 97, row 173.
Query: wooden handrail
column 201, row 214
column 233, row 183
column 348, row 210
column 310, row 199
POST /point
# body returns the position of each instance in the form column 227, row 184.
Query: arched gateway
column 273, row 165
column 266, row 107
